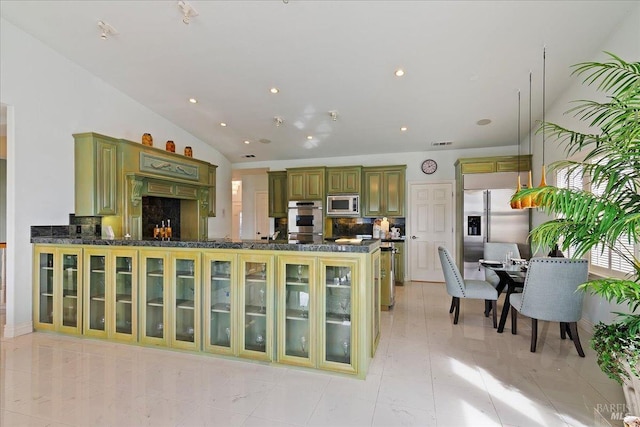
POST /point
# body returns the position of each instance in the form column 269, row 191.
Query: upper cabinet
column 96, row 175
column 493, row 164
column 277, row 194
column 344, row 180
column 384, row 191
column 306, row 183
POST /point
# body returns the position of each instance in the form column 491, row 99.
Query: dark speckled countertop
column 365, row 246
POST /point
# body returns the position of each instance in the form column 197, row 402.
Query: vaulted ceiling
column 464, row 62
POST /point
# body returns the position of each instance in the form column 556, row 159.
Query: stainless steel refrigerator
column 488, row 217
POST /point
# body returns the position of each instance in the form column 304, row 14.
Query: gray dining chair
column 497, row 252
column 458, row 287
column 550, row 293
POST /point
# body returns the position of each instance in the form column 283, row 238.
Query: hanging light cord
column 544, row 80
column 518, row 132
column 530, row 80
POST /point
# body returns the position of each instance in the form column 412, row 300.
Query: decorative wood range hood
column 113, row 175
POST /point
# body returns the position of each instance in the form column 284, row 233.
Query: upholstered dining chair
column 550, row 293
column 497, row 252
column 458, row 288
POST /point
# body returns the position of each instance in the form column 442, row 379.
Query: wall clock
column 429, row 166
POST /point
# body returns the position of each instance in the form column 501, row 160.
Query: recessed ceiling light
column 247, row 142
column 399, row 72
column 193, row 100
column 483, row 122
column 274, row 90
column 223, row 124
column 309, row 137
column 403, row 128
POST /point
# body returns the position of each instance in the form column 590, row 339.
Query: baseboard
column 12, row 331
column 586, row 325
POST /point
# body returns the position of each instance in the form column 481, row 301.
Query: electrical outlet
column 78, row 229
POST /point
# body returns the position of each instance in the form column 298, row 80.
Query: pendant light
column 526, row 201
column 517, row 204
column 543, row 180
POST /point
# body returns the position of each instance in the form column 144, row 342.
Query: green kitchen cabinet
column 384, row 191
column 398, row 259
column 277, row 194
column 306, row 183
column 96, row 175
column 57, row 290
column 344, row 180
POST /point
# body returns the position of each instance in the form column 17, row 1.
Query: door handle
column 414, row 237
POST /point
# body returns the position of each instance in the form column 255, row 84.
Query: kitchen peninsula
column 309, row 305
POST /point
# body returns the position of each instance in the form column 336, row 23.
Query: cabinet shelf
column 338, row 319
column 221, row 277
column 155, row 273
column 47, row 294
column 346, row 285
column 221, row 308
column 123, row 298
column 184, row 275
column 98, row 271
column 293, row 281
column 297, row 315
column 185, row 304
column 124, row 271
column 98, row 298
column 254, row 310
column 256, row 279
column 68, row 294
column 156, row 302
column 47, row 268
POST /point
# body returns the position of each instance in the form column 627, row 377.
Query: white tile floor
column 426, row 372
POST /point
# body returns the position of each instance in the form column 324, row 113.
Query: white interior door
column 262, row 214
column 430, row 225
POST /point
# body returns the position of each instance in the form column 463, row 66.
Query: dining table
column 512, row 277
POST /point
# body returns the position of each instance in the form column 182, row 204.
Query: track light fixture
column 188, row 11
column 278, row 121
column 334, row 115
column 106, row 30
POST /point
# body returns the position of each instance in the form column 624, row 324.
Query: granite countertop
column 365, row 246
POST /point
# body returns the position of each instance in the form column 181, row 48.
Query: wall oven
column 305, row 222
column 343, row 205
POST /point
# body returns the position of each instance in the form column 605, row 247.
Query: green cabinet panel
column 305, row 183
column 399, row 261
column 212, row 190
column 95, row 175
column 384, row 191
column 277, row 194
column 493, row 164
column 344, row 180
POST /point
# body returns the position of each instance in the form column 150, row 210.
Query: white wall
column 49, row 99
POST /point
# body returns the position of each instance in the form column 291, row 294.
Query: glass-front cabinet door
column 185, row 330
column 110, row 293
column 95, row 293
column 58, row 288
column 220, row 284
column 45, row 294
column 256, row 306
column 71, row 303
column 124, row 263
column 297, row 295
column 154, row 291
column 339, row 314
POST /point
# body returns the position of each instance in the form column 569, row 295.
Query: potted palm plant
column 586, row 221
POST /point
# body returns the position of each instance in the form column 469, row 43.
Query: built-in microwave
column 343, row 205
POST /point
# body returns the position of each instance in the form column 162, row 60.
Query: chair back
column 497, row 252
column 549, row 291
column 452, row 276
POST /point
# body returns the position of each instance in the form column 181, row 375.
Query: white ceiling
column 464, row 61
